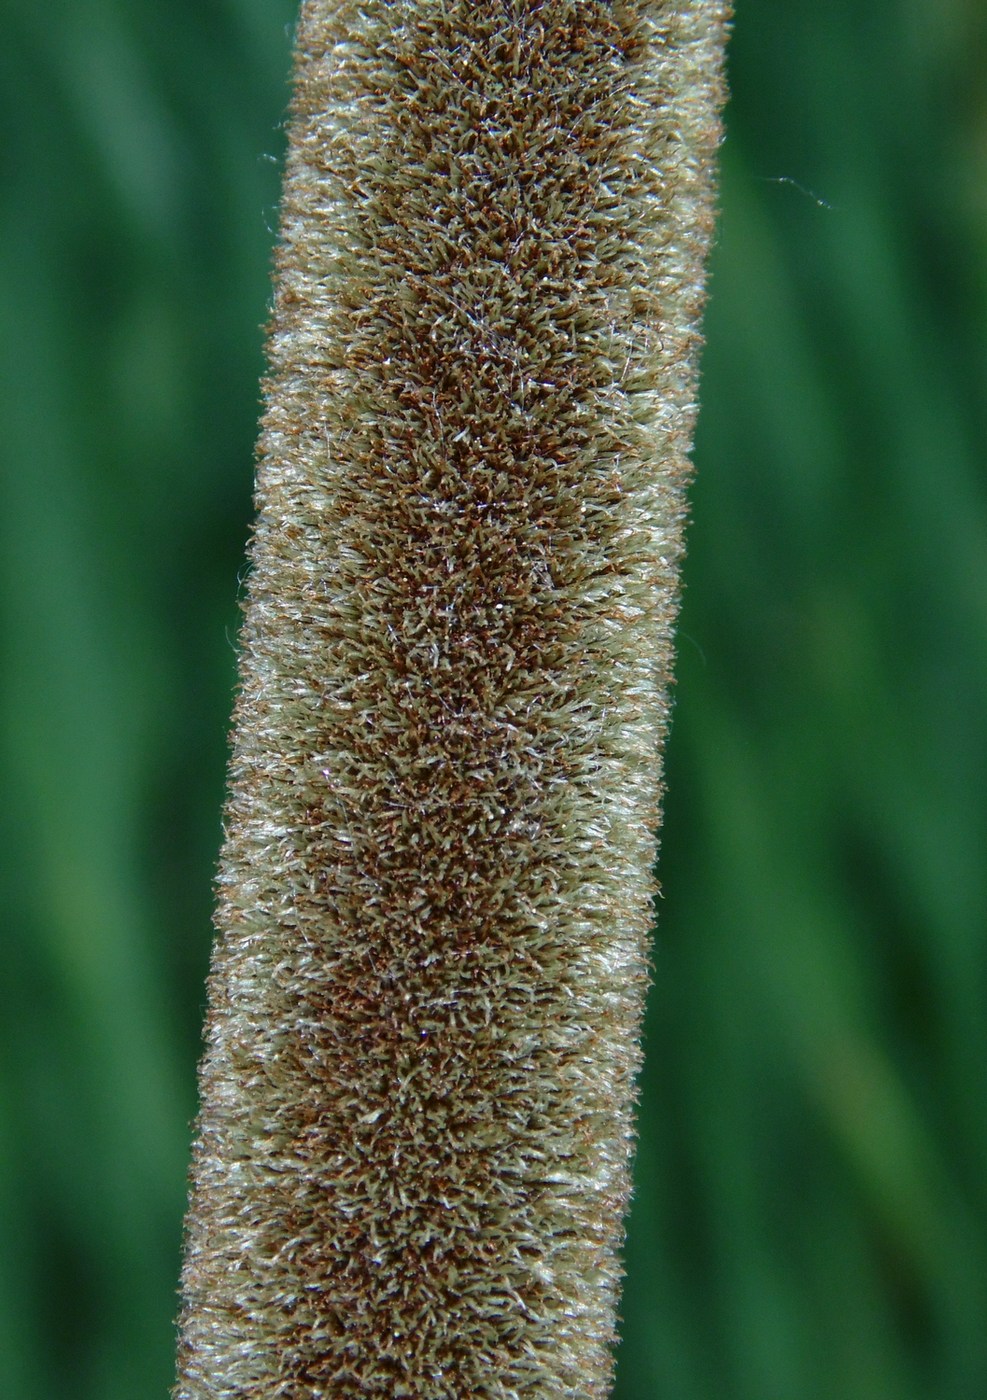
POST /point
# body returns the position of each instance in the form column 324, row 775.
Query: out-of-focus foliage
column 810, row 1215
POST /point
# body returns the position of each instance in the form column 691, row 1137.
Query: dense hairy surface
column 436, row 890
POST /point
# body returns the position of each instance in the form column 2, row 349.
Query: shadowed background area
column 809, row 1218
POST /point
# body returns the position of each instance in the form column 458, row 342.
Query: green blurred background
column 809, row 1218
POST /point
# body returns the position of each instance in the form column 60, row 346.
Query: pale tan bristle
column 436, row 889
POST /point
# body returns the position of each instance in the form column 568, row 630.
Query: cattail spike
column 436, row 889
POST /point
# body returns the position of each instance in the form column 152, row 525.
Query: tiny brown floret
column 436, row 889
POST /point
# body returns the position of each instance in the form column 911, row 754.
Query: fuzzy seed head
column 436, row 889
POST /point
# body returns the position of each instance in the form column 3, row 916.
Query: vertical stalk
column 436, row 889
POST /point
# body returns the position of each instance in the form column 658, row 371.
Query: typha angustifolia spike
column 436, row 888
